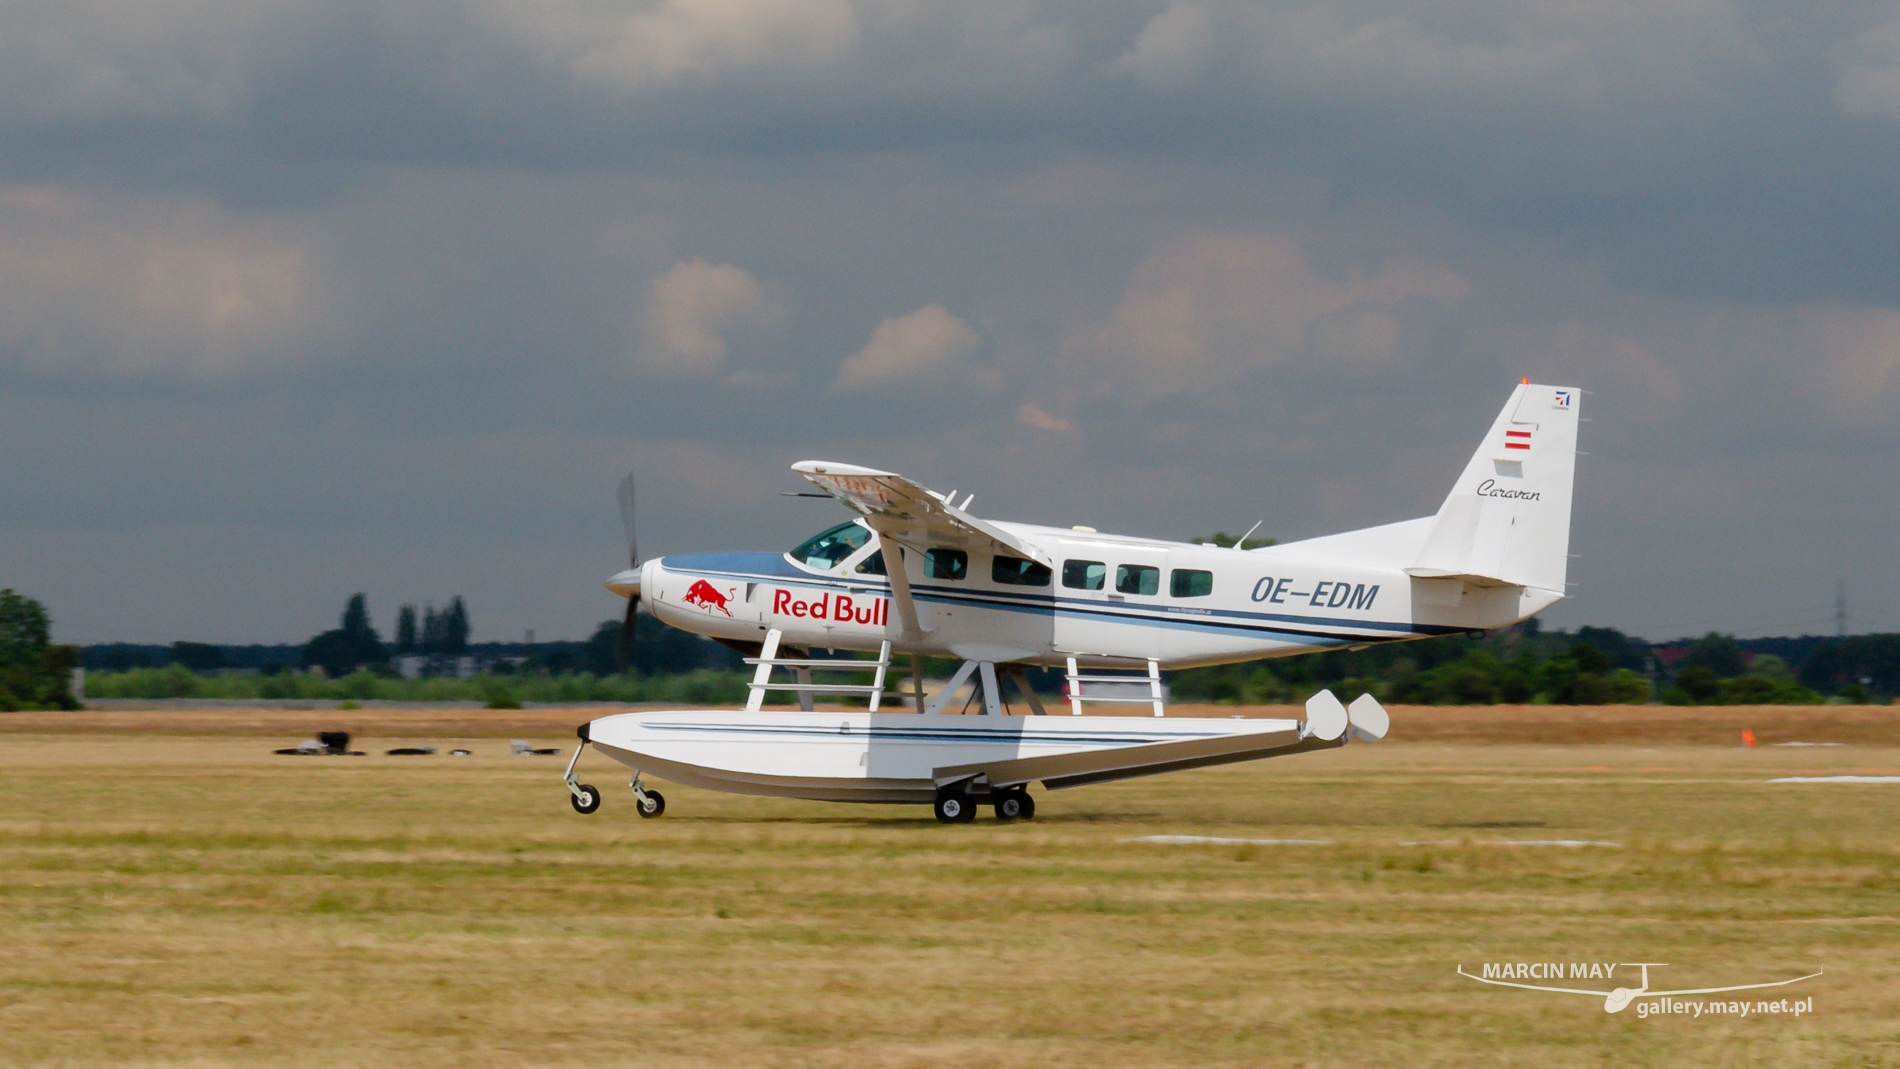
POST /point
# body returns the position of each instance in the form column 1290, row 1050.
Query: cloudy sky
column 304, row 298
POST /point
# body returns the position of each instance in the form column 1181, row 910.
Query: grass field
column 193, row 900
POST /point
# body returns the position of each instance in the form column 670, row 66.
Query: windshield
column 826, row 549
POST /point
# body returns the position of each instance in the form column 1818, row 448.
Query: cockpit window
column 823, row 551
column 873, row 564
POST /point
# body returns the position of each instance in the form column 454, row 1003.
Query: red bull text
column 842, row 608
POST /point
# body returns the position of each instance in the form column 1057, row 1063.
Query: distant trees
column 657, row 650
column 353, row 644
column 34, row 673
column 1855, row 665
column 406, row 630
column 198, row 656
column 443, row 634
column 1716, row 671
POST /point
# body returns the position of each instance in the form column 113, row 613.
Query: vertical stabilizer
column 1508, row 517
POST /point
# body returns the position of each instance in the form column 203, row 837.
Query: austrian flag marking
column 1517, row 439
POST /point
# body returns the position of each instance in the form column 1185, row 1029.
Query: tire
column 953, row 807
column 1009, row 806
column 654, row 805
column 1015, row 804
column 587, row 800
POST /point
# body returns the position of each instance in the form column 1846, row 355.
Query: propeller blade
column 623, row 649
column 626, row 520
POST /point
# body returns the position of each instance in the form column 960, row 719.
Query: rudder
column 1507, row 518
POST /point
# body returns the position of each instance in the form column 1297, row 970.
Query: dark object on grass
column 326, row 744
column 523, row 748
column 412, row 751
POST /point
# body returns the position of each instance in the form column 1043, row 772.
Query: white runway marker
column 1517, row 842
column 1189, row 840
column 1837, row 779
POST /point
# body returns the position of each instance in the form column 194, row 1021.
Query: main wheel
column 969, row 811
column 1014, row 804
column 953, row 807
column 586, row 800
column 653, row 805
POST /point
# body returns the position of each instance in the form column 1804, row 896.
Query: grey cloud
column 300, row 299
column 1671, row 140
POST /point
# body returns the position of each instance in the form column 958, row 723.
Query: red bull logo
column 702, row 594
column 841, row 608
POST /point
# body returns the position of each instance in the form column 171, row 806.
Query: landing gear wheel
column 953, row 807
column 652, row 805
column 1015, row 804
column 584, row 798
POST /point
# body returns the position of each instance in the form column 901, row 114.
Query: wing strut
column 911, row 633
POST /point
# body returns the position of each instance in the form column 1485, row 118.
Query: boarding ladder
column 769, row 659
column 1077, row 695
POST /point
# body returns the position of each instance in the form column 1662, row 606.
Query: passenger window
column 1137, row 579
column 946, row 564
column 1084, row 574
column 829, row 547
column 1016, row 571
column 1190, row 583
column 873, row 564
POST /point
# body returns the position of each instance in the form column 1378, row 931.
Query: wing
column 1719, row 990
column 908, row 514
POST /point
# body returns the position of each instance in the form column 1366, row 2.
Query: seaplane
column 914, row 573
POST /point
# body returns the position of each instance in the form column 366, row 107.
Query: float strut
column 573, row 785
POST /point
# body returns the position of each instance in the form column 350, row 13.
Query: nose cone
column 626, row 584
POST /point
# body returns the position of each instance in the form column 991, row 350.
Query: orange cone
column 1748, row 738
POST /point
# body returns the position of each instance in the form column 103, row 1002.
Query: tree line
column 1592, row 666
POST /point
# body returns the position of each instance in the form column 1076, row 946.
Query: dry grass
column 192, row 900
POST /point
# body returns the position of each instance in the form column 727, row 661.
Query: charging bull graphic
column 702, row 594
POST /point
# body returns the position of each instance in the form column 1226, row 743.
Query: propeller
column 623, row 649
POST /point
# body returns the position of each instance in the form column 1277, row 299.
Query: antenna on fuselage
column 1242, row 544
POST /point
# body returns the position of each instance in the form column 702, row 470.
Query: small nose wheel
column 954, row 807
column 584, row 798
column 1015, row 804
column 650, row 803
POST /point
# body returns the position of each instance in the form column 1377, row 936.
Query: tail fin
column 1508, row 517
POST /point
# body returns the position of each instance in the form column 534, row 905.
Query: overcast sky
column 301, row 299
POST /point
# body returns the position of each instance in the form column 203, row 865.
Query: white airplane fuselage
column 1272, row 602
